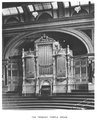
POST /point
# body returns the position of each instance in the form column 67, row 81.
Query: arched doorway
column 46, row 88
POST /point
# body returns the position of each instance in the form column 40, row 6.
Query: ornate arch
column 12, row 20
column 46, row 81
column 21, row 37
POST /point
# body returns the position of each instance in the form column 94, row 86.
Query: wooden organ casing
column 46, row 63
column 28, row 71
column 61, row 64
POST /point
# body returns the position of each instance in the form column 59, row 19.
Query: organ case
column 46, row 64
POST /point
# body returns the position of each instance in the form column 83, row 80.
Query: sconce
column 78, row 8
column 35, row 14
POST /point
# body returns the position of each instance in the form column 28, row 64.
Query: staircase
column 72, row 101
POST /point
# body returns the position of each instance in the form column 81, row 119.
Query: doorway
column 46, row 88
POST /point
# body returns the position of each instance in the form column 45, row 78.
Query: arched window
column 80, row 12
column 45, row 16
column 12, row 20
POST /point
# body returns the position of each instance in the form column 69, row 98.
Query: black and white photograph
column 48, row 56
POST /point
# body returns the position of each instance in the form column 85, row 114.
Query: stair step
column 38, row 107
column 47, row 107
column 76, row 100
column 76, row 95
column 56, row 98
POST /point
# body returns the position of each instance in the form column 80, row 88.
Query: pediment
column 44, row 39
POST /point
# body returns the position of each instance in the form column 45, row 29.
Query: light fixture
column 77, row 9
column 35, row 14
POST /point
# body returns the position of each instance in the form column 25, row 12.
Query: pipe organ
column 46, row 64
column 61, row 65
column 49, row 68
column 45, row 60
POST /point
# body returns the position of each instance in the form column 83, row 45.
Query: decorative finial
column 67, row 46
column 44, row 36
column 22, row 49
column 67, row 49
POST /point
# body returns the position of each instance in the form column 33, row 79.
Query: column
column 23, row 65
column 54, row 70
column 67, row 60
column 37, row 72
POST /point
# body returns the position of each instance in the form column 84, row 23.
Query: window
column 38, row 7
column 20, row 9
column 77, row 80
column 13, row 10
column 14, row 65
column 74, row 3
column 9, row 72
column 54, row 4
column 83, row 62
column 47, row 6
column 14, row 72
column 9, row 66
column 77, row 62
column 77, row 70
column 83, row 70
column 66, row 4
column 6, row 11
column 31, row 8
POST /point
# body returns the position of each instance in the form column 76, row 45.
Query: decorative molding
column 70, row 22
column 72, row 31
column 44, row 39
column 88, row 32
